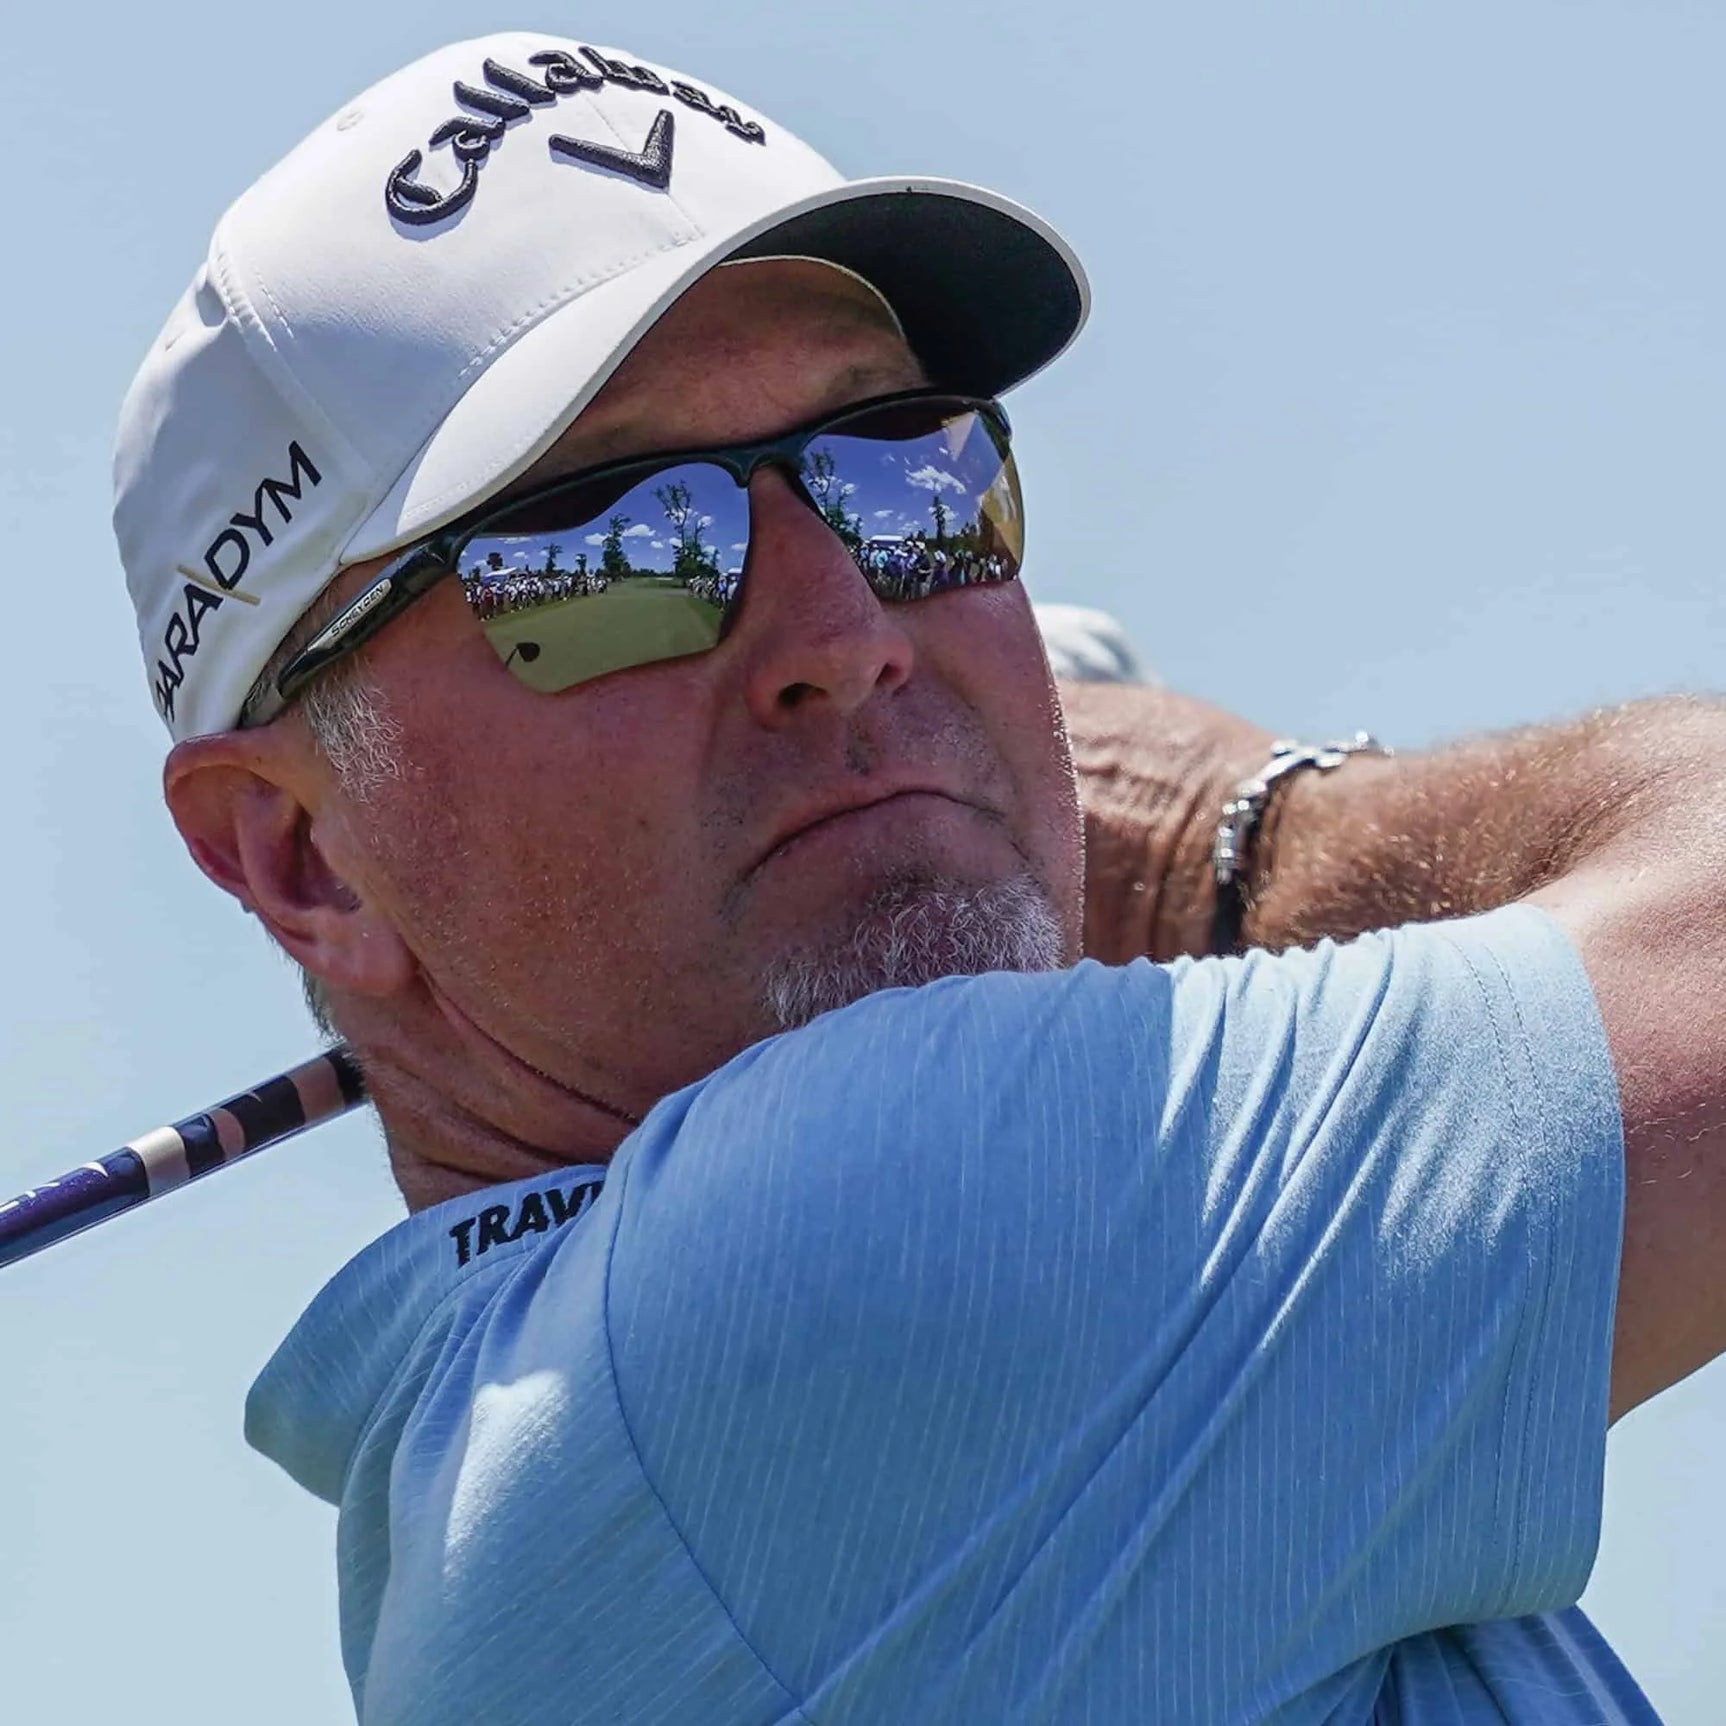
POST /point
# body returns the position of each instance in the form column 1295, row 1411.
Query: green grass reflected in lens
column 636, row 621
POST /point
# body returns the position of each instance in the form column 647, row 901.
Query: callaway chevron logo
column 651, row 164
column 508, row 96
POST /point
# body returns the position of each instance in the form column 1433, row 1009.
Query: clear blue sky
column 1403, row 406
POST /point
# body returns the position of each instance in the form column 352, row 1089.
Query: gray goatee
column 914, row 932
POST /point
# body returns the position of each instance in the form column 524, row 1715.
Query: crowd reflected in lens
column 923, row 499
column 682, row 530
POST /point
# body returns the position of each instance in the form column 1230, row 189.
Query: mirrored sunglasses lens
column 648, row 579
column 922, row 511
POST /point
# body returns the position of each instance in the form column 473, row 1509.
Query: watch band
column 1238, row 826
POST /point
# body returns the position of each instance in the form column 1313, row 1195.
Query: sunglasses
column 643, row 560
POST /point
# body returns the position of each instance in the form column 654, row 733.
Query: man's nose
column 810, row 628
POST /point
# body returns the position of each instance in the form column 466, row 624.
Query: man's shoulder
column 967, row 1040
column 909, row 1090
column 400, row 1297
column 901, row 1275
column 452, row 1392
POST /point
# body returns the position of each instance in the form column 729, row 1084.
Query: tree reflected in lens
column 924, row 514
column 681, row 532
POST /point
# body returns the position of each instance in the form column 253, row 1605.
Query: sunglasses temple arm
column 395, row 589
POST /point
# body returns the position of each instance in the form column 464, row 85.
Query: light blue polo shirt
column 1219, row 1342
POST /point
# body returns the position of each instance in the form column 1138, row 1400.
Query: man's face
column 627, row 883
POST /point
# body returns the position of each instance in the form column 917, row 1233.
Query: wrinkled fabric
column 1220, row 1342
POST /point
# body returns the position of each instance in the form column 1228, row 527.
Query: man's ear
column 248, row 806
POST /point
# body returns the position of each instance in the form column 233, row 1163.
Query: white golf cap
column 405, row 313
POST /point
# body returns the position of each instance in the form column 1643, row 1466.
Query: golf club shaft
column 155, row 1163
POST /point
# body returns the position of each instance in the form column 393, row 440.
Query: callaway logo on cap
column 406, row 312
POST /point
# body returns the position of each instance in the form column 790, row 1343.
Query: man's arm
column 1111, row 1309
column 1615, row 824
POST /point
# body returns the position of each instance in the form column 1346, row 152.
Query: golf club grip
column 155, row 1163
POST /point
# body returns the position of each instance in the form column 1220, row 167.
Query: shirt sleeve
column 1063, row 1324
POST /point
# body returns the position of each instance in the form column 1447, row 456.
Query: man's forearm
column 1378, row 842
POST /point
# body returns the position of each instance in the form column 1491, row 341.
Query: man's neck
column 461, row 1112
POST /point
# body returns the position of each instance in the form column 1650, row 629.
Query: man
column 1233, row 1341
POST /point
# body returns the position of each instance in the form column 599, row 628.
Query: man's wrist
column 1237, row 856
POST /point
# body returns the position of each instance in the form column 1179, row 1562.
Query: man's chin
column 913, row 932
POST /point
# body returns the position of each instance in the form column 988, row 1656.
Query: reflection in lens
column 600, row 576
column 649, row 580
column 921, row 511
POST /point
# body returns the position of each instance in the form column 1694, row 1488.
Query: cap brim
column 987, row 294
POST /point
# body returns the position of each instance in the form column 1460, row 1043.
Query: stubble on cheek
column 470, row 865
column 587, row 942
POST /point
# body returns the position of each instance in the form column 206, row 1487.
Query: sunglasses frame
column 417, row 569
